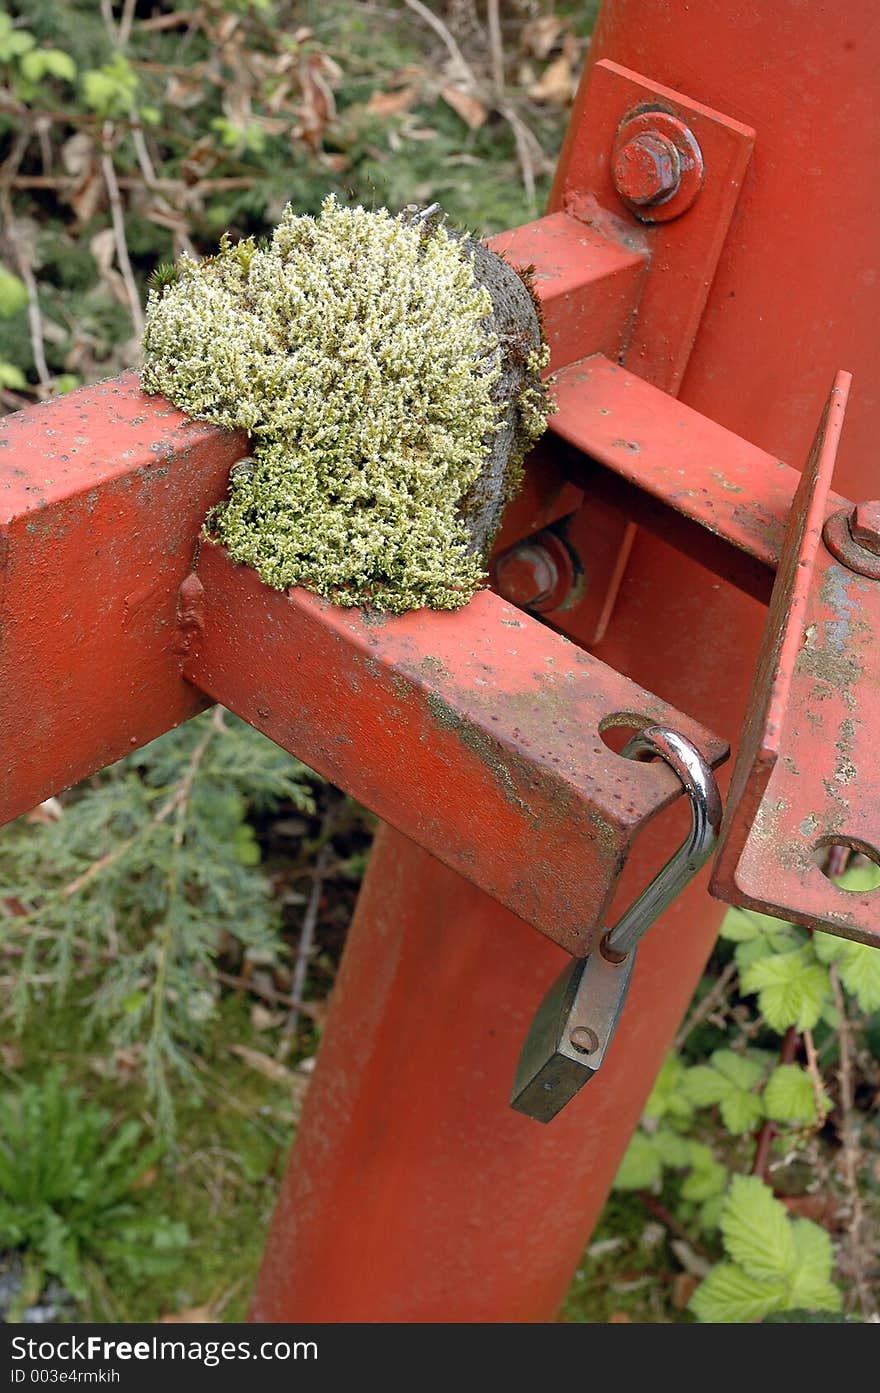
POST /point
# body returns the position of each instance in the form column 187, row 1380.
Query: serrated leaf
column 859, row 968
column 667, row 1097
column 704, row 1085
column 738, row 1068
column 641, row 1165
column 757, row 1231
column 811, row 1287
column 740, row 1111
column 729, row 1295
column 790, row 1096
column 792, row 989
column 672, row 1149
column 708, row 1176
column 709, row 1214
column 827, row 947
column 739, row 926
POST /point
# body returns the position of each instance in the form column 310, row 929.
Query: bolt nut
column 864, row 524
column 526, row 575
column 647, row 169
column 584, row 1040
column 538, row 574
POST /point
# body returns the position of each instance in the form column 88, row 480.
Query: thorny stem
column 761, row 1162
column 815, row 1076
column 849, row 1141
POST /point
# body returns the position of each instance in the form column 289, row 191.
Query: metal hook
column 575, row 1023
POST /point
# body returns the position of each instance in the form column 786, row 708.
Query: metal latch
column 576, row 1021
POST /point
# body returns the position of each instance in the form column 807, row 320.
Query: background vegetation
column 169, row 931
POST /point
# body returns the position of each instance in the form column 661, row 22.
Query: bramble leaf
column 729, row 1295
column 641, row 1165
column 757, row 1231
column 792, row 989
column 812, row 1288
column 790, row 1096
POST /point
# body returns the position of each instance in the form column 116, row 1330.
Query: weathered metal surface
column 477, row 733
column 657, row 165
column 700, row 472
column 102, row 494
column 807, row 769
column 587, row 279
column 684, row 250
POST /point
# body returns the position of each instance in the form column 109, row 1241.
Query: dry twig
column 705, row 1007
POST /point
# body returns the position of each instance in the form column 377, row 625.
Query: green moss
column 364, row 356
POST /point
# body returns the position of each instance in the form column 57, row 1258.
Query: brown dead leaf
column 684, row 1285
column 384, row 104
column 149, row 1177
column 11, row 1056
column 540, row 36
column 264, row 1019
column 263, row 1064
column 555, row 86
column 465, row 105
column 620, row 1318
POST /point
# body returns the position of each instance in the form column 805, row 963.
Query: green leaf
column 792, row 989
column 709, row 1215
column 743, row 925
column 790, row 1096
column 757, row 1231
column 672, row 1149
column 12, row 377
column 812, row 1288
column 704, row 1085
column 13, row 294
column 48, row 62
column 727, row 1080
column 859, row 968
column 730, row 1295
column 111, row 89
column 738, row 1068
column 708, row 1176
column 740, row 1111
column 667, row 1096
column 641, row 1165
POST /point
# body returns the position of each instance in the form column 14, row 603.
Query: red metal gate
column 707, row 267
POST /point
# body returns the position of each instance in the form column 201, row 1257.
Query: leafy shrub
column 140, row 882
column 68, row 1188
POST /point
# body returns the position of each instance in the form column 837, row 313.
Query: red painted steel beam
column 476, row 732
column 102, row 494
column 588, row 281
column 739, row 496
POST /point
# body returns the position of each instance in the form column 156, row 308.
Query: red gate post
column 413, row 1192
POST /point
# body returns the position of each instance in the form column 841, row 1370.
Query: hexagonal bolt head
column 864, row 524
column 647, row 169
column 526, row 575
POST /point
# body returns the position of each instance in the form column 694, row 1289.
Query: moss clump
column 363, row 356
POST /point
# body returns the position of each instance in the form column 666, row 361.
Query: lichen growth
column 359, row 352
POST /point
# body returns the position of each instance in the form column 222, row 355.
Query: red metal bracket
column 807, row 771
column 684, row 252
